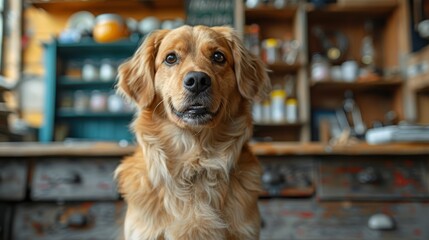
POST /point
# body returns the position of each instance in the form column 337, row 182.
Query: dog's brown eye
column 219, row 57
column 171, row 58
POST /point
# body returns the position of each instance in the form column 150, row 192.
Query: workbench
column 311, row 190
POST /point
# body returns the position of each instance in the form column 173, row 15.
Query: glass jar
column 257, row 112
column 290, row 50
column 107, row 71
column 109, row 28
column 80, row 101
column 89, row 71
column 320, row 69
column 271, row 50
column 98, row 101
column 66, row 101
column 251, row 39
column 114, row 103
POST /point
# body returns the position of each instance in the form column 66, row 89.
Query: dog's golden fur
column 192, row 178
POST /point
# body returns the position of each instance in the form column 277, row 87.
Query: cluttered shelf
column 93, row 149
column 380, row 83
column 270, row 12
column 351, row 10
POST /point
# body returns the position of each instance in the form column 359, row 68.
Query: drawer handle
column 369, row 175
column 381, row 221
column 74, row 220
column 272, row 177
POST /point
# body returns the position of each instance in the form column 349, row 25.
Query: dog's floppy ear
column 136, row 75
column 252, row 78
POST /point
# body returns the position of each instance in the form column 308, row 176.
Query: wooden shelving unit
column 291, row 22
column 288, row 23
column 375, row 97
column 68, row 120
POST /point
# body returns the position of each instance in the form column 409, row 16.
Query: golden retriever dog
column 193, row 175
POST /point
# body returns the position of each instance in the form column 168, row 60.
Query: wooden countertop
column 106, row 149
column 87, row 149
column 279, row 148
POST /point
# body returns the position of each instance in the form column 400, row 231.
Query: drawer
column 13, row 179
column 288, row 177
column 312, row 220
column 77, row 179
column 83, row 221
column 373, row 178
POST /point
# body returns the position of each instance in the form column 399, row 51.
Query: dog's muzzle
column 197, row 82
column 197, row 108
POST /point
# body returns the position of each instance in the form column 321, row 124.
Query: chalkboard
column 210, row 12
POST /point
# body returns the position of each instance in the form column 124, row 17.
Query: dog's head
column 195, row 75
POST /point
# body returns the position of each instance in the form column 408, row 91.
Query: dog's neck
column 181, row 153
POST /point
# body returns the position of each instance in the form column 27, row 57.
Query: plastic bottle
column 278, row 97
column 291, row 110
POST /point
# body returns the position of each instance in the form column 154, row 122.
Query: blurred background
column 343, row 137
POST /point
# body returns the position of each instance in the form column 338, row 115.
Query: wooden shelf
column 90, row 43
column 91, row 46
column 73, row 114
column 87, row 149
column 271, row 13
column 102, row 5
column 382, row 84
column 357, row 10
column 281, row 67
column 123, row 48
column 280, row 124
column 71, row 82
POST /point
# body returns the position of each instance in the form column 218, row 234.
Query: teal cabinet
column 80, row 108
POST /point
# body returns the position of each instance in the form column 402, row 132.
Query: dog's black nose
column 197, row 82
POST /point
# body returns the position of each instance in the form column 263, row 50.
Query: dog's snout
column 197, row 82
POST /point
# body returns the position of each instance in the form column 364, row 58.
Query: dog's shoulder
column 248, row 171
column 131, row 174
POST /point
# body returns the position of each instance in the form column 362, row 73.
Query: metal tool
column 334, row 51
column 350, row 112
